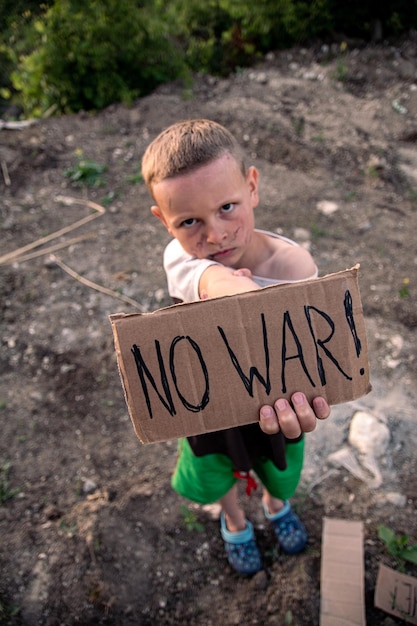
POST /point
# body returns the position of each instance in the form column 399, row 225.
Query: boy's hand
column 293, row 418
column 243, row 271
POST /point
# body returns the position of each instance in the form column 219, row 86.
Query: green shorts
column 206, row 479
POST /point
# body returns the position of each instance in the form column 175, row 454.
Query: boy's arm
column 219, row 280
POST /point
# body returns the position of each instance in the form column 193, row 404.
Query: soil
column 92, row 532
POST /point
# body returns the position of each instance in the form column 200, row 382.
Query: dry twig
column 57, row 246
column 20, row 255
column 89, row 283
column 99, row 210
column 10, row 125
column 5, row 171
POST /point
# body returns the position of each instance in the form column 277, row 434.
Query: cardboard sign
column 396, row 594
column 342, row 601
column 210, row 365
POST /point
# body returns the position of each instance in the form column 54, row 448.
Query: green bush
column 17, row 38
column 220, row 35
column 74, row 54
column 357, row 18
column 202, row 29
column 90, row 54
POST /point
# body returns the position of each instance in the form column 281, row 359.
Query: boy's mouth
column 221, row 254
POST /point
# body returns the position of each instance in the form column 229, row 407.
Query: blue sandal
column 289, row 531
column 241, row 549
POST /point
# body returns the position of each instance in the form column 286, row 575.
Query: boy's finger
column 268, row 420
column 321, row 408
column 296, row 419
column 287, row 419
column 305, row 413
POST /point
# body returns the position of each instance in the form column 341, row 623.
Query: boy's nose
column 215, row 233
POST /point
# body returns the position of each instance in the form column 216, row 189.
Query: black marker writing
column 248, row 380
column 179, row 371
column 143, row 371
column 205, row 398
column 322, row 343
column 351, row 322
column 288, row 323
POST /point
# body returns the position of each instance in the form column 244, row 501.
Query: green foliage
column 404, row 291
column 342, row 70
column 86, row 172
column 90, row 54
column 358, row 18
column 18, row 38
column 220, row 35
column 190, row 519
column 14, row 10
column 73, row 55
column 135, row 178
column 204, row 29
column 289, row 619
column 317, row 231
column 70, row 529
column 398, row 546
column 6, row 492
column 6, row 611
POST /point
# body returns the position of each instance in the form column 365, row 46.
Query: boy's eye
column 188, row 223
column 226, row 208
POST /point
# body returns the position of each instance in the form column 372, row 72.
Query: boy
column 205, row 197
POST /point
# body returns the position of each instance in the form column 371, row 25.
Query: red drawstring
column 251, row 483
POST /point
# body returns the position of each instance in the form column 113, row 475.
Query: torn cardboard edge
column 209, row 365
column 342, row 601
column 396, row 594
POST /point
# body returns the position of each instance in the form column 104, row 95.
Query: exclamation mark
column 351, row 323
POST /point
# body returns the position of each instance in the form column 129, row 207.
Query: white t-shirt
column 184, row 271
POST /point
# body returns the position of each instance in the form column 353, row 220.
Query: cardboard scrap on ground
column 210, row 365
column 396, row 594
column 342, row 574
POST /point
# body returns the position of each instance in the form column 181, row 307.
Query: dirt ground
column 91, row 530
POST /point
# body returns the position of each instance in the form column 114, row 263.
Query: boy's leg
column 289, row 530
column 273, row 505
column 279, row 486
column 238, row 535
column 234, row 514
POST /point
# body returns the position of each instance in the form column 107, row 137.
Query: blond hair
column 185, row 146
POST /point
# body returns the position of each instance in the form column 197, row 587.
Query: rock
column 327, row 207
column 408, row 163
column 259, row 77
column 397, row 343
column 346, row 459
column 301, row 234
column 369, row 437
column 310, row 76
column 368, row 434
column 159, row 295
column 397, row 499
column 89, row 486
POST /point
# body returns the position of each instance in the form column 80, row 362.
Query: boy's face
column 210, row 210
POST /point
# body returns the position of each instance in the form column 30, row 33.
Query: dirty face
column 210, row 210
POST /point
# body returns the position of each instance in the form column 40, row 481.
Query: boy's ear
column 156, row 211
column 252, row 181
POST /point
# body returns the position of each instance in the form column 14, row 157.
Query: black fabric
column 244, row 445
